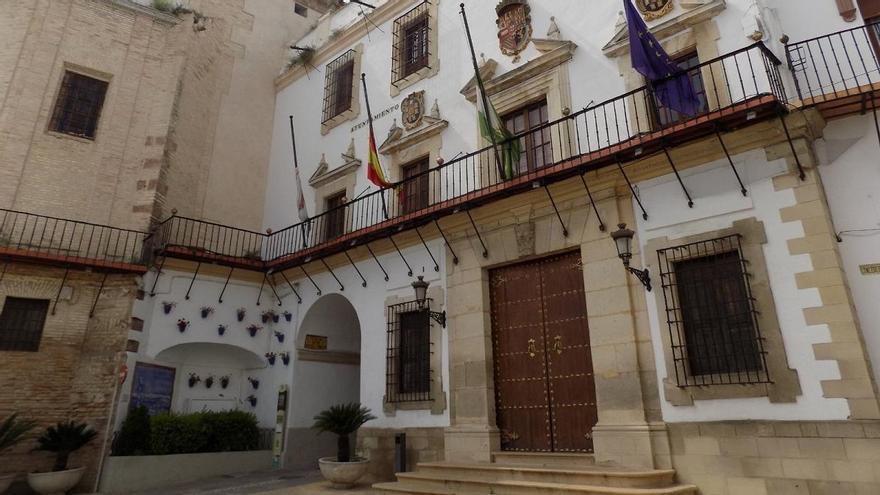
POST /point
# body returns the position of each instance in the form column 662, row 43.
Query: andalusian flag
column 494, row 131
column 374, row 168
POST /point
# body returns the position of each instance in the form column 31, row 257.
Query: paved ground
column 281, row 482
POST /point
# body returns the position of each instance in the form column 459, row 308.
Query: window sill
column 72, row 137
column 426, row 72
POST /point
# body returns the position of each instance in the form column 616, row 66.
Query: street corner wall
column 75, row 372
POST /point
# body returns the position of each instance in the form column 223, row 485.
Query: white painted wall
column 718, row 203
column 850, row 169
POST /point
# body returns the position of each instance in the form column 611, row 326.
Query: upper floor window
column 334, row 218
column 687, row 62
column 78, row 106
column 710, row 310
column 338, row 85
column 21, row 324
column 416, row 186
column 537, row 148
column 411, row 50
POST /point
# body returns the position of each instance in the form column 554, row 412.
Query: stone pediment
column 696, row 12
column 398, row 140
column 554, row 53
column 324, row 174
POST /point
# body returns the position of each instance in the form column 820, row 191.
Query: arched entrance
column 326, row 372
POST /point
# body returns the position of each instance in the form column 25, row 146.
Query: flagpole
column 482, row 91
column 370, row 121
column 299, row 185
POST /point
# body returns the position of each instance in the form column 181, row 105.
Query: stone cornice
column 143, row 9
column 556, row 56
column 701, row 11
column 323, row 176
column 433, row 128
column 335, row 357
column 351, row 36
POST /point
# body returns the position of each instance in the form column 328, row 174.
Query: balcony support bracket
column 260, row 294
column 876, row 119
column 98, row 295
column 677, row 176
column 742, row 187
column 593, row 203
column 299, row 299
column 353, row 265
column 303, row 268
column 632, row 190
column 446, row 241
column 272, row 286
column 229, row 276
column 341, row 287
column 409, row 272
column 3, row 271
column 801, row 174
column 477, row 231
column 60, row 288
column 191, row 282
column 436, row 266
column 156, row 280
column 377, row 261
column 553, row 203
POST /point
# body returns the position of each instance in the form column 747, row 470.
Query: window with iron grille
column 537, row 146
column 408, row 359
column 411, row 50
column 415, row 187
column 78, row 106
column 338, row 81
column 334, row 219
column 300, row 9
column 687, row 63
column 21, row 324
column 713, row 326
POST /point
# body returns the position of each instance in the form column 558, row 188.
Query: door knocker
column 557, row 344
column 532, row 349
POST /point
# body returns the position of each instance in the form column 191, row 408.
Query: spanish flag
column 374, row 168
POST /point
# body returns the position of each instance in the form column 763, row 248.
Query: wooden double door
column 545, row 395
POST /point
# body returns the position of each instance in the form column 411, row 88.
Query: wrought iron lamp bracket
column 643, row 276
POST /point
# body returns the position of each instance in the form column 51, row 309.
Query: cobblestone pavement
column 275, row 482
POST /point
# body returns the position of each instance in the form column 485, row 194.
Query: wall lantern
column 623, row 241
column 421, row 288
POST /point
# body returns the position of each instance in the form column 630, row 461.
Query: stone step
column 525, row 488
column 544, row 459
column 593, row 475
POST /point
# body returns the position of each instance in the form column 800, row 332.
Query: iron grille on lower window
column 408, row 359
column 713, row 326
column 21, row 324
column 78, row 105
column 338, row 81
column 411, row 51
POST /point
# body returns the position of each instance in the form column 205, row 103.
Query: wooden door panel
column 522, row 408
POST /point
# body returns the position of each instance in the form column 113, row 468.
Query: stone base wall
column 778, row 458
column 75, row 372
column 422, row 445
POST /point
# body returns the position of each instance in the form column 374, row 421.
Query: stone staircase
column 531, row 474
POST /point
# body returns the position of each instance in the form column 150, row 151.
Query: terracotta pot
column 343, row 474
column 56, row 482
column 5, row 481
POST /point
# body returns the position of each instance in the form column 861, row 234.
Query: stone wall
column 75, row 372
column 377, row 444
column 778, row 458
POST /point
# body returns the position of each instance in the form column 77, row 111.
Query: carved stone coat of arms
column 654, row 9
column 412, row 110
column 514, row 26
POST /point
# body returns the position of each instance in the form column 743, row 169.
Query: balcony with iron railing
column 70, row 243
column 740, row 88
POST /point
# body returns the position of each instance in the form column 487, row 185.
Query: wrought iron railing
column 69, row 241
column 736, row 82
column 835, row 65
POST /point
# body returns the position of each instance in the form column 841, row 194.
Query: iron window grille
column 338, row 82
column 408, row 359
column 78, row 106
column 710, row 311
column 21, row 324
column 411, row 46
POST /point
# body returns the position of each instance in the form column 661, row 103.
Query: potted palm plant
column 343, row 420
column 63, row 439
column 12, row 431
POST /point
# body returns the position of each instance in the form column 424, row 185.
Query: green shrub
column 134, row 436
column 203, row 432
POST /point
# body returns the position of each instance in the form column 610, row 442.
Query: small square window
column 78, row 106
column 21, row 324
column 300, row 9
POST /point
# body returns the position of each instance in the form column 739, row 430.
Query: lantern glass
column 623, row 241
column 421, row 289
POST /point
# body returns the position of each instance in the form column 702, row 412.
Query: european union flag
column 649, row 58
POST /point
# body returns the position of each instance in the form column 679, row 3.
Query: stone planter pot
column 5, row 481
column 56, row 482
column 343, row 474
